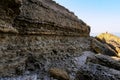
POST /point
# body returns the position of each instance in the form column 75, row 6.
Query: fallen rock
column 97, row 72
column 102, row 48
column 97, row 67
column 104, row 60
column 59, row 74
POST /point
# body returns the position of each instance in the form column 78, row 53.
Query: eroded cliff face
column 41, row 40
column 39, row 17
column 37, row 35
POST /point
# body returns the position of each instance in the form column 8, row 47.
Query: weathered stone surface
column 97, row 67
column 59, row 74
column 36, row 35
column 97, row 72
column 102, row 48
column 39, row 38
column 39, row 53
column 20, row 52
column 23, row 77
column 9, row 9
column 112, row 40
column 39, row 17
column 63, row 55
column 104, row 61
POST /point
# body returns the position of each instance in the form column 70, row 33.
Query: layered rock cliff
column 39, row 17
column 41, row 40
column 35, row 36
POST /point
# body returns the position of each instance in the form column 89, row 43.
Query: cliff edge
column 39, row 17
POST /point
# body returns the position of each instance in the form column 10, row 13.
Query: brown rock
column 97, row 72
column 39, row 17
column 9, row 9
column 59, row 74
column 12, row 66
column 97, row 67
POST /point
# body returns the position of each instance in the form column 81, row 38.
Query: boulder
column 104, row 60
column 97, row 67
column 102, row 48
column 59, row 74
column 97, row 72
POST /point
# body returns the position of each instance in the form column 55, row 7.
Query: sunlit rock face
column 112, row 40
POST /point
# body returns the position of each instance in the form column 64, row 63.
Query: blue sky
column 101, row 15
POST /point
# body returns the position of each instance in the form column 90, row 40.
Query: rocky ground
column 41, row 40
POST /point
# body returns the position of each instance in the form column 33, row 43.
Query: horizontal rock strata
column 39, row 17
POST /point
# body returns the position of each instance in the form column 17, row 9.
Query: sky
column 100, row 15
